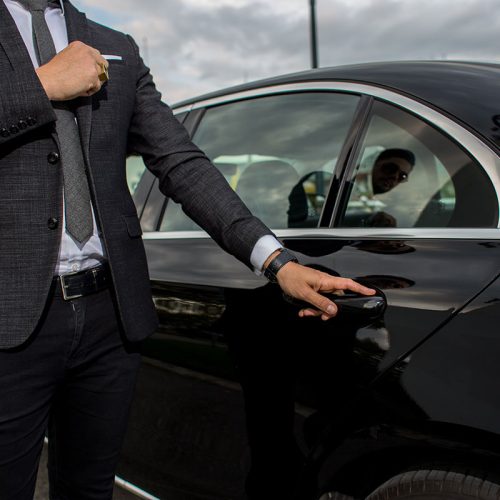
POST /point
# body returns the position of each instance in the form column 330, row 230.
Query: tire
column 436, row 485
column 335, row 496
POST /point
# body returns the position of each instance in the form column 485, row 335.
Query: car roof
column 467, row 91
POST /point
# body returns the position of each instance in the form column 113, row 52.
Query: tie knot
column 36, row 5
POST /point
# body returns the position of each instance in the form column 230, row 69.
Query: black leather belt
column 81, row 283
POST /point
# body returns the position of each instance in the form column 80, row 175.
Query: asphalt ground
column 42, row 484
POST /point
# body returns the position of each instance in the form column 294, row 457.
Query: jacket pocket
column 133, row 226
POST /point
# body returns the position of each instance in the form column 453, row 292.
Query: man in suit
column 75, row 298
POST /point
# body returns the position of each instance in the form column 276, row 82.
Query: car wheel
column 436, row 485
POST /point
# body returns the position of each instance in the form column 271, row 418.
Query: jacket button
column 53, row 158
column 30, row 120
column 14, row 129
column 53, row 223
column 22, row 124
column 4, row 132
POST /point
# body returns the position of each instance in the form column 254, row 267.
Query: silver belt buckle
column 64, row 286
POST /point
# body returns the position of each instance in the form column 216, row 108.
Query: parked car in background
column 388, row 173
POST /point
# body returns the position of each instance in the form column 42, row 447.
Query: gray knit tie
column 78, row 211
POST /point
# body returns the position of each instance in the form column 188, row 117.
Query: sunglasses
column 392, row 169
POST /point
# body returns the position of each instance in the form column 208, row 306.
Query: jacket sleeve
column 185, row 174
column 24, row 105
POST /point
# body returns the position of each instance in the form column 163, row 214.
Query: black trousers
column 75, row 378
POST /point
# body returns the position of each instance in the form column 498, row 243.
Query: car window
column 135, row 171
column 409, row 174
column 277, row 152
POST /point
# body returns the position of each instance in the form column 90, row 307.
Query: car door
column 426, row 236
column 278, row 151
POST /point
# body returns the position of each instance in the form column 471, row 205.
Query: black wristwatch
column 271, row 271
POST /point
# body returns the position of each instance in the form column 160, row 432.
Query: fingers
column 94, row 87
column 322, row 306
column 100, row 64
column 314, row 313
column 319, row 301
column 307, row 284
column 101, row 75
column 349, row 284
column 327, row 308
column 98, row 57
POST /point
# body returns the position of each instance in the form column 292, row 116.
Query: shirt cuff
column 264, row 247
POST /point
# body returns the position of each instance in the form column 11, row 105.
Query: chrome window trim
column 183, row 109
column 475, row 147
column 386, row 233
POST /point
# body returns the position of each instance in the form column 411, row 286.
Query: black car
column 388, row 173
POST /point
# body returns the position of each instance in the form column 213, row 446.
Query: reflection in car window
column 277, row 152
column 408, row 174
column 135, row 171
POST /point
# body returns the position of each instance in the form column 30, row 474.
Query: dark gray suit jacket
column 126, row 115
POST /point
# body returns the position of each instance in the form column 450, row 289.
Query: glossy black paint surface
column 459, row 365
column 412, row 286
column 435, row 406
column 323, row 369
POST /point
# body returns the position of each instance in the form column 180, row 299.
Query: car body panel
column 435, row 407
column 217, row 298
column 449, row 377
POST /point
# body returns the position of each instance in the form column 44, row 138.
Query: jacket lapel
column 12, row 42
column 76, row 23
column 13, row 45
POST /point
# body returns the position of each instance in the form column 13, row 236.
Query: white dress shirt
column 74, row 256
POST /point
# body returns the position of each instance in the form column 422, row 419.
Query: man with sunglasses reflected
column 391, row 168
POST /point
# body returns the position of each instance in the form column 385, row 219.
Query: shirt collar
column 61, row 3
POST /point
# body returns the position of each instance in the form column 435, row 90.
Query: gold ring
column 104, row 76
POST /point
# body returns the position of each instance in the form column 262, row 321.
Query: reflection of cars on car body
column 358, row 407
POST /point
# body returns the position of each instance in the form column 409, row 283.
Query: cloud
column 395, row 29
column 194, row 46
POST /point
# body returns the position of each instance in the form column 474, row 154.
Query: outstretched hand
column 305, row 283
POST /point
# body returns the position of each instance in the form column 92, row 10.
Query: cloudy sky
column 195, row 46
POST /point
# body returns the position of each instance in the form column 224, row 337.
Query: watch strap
column 272, row 269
